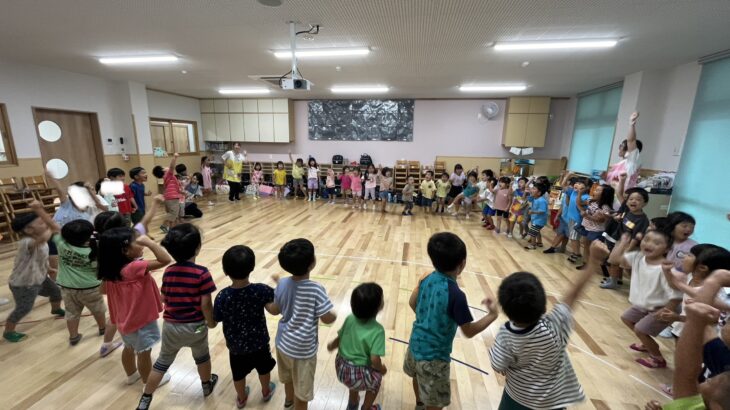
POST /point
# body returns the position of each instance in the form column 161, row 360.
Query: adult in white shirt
column 232, row 168
column 630, row 152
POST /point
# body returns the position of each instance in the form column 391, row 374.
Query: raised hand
column 634, row 116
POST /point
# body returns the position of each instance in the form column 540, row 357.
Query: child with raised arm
column 240, row 307
column 440, row 307
column 172, row 193
column 530, row 350
column 361, row 344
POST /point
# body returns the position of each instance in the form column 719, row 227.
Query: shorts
column 243, row 364
column 426, row 202
column 455, row 191
column 644, row 321
column 74, row 301
column 563, row 228
column 173, row 209
column 331, row 191
column 370, row 193
column 52, row 248
column 299, row 372
column 384, row 195
column 357, row 193
column 175, row 336
column 488, row 210
column 573, row 232
column 312, row 183
column 716, row 358
column 534, row 230
column 590, row 235
column 137, row 216
column 467, row 201
column 143, row 339
column 357, row 378
column 433, row 377
column 516, row 217
column 24, row 297
column 502, row 214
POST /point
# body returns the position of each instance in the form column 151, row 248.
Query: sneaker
column 73, row 341
column 550, row 250
column 288, row 406
column 165, row 229
column 144, row 402
column 4, row 301
column 102, row 331
column 610, row 283
column 267, row 397
column 667, row 333
column 132, row 378
column 107, row 348
column 165, row 379
column 209, row 386
column 420, row 406
column 242, row 403
column 58, row 312
column 509, row 236
column 14, row 337
column 211, row 203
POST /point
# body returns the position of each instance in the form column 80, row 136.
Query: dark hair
column 699, row 248
column 239, row 261
column 505, row 180
column 158, row 171
column 21, row 221
column 199, row 177
column 714, row 258
column 447, row 251
column 182, row 242
column 112, row 246
column 445, row 173
column 203, row 159
column 625, row 145
column 458, row 166
column 78, row 233
column 637, row 190
column 107, row 220
column 258, row 164
column 667, row 237
column 545, row 181
column 97, row 186
column 300, row 160
column 676, row 218
column 427, row 172
column 523, row 179
column 181, row 169
column 345, row 168
column 115, row 172
column 280, row 163
column 522, row 298
column 489, row 173
column 297, row 256
column 309, row 162
column 607, row 196
column 471, row 174
column 135, row 171
column 543, row 188
column 492, row 181
column 660, row 222
column 386, row 169
column 365, row 300
column 79, row 184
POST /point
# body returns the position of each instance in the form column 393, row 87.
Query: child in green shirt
column 361, row 343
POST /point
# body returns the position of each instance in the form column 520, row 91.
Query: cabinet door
column 237, row 133
column 281, row 127
column 536, row 130
column 250, row 106
column 223, row 127
column 266, row 127
column 207, row 106
column 518, row 105
column 281, row 105
column 209, row 133
column 514, row 133
column 251, row 127
column 221, row 106
column 539, row 105
column 235, row 105
column 265, row 105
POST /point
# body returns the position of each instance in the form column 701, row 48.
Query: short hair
column 366, row 300
column 458, row 166
column 199, row 177
column 280, row 163
column 97, row 186
column 489, row 173
column 447, row 251
column 239, row 261
column 543, row 188
column 158, row 171
column 20, row 222
column 522, row 298
column 297, row 256
column 385, row 170
column 427, row 172
column 714, row 258
column 182, row 242
column 660, row 222
column 523, row 179
column 180, row 168
column 107, row 220
column 203, row 159
column 697, row 249
column 637, row 190
column 445, row 174
column 115, row 172
column 505, row 180
column 472, row 174
column 664, row 234
column 135, row 171
column 79, row 233
column 678, row 217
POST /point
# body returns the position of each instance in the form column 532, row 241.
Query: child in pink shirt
column 356, row 187
column 345, row 184
column 502, row 202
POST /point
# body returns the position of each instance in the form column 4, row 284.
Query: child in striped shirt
column 172, row 192
column 530, row 349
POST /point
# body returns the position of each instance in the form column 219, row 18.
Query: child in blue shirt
column 139, row 177
column 577, row 204
column 538, row 215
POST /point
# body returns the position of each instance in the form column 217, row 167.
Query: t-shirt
column 573, row 211
column 593, row 210
column 242, row 312
column 440, row 308
column 442, row 188
column 183, row 286
column 631, row 224
column 361, row 339
column 297, row 172
column 470, row 190
column 502, row 199
column 539, row 205
column 428, row 188
column 330, row 180
column 30, row 267
column 138, row 191
column 649, row 288
column 279, row 176
column 564, row 197
column 407, row 193
column 75, row 270
column 312, row 173
column 679, row 251
column 371, row 180
column 257, row 176
column 457, row 179
column 233, row 166
column 172, row 186
column 385, row 183
column 67, row 212
column 302, row 303
column 124, row 201
column 133, row 301
column 355, row 183
column 536, row 363
column 686, row 403
column 345, row 181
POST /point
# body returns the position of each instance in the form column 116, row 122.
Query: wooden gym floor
column 44, row 372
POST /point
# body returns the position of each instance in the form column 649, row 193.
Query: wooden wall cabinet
column 526, row 122
column 248, row 120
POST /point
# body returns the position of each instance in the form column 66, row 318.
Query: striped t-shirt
column 172, row 186
column 302, row 303
column 535, row 361
column 183, row 286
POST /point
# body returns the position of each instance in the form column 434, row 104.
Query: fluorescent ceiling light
column 555, row 45
column 323, row 52
column 359, row 89
column 165, row 58
column 226, row 91
column 492, row 88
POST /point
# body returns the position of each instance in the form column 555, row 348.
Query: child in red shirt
column 172, row 192
column 126, row 203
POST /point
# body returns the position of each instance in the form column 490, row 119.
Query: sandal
column 637, row 347
column 242, row 403
column 272, row 387
column 667, row 389
column 652, row 362
column 73, row 341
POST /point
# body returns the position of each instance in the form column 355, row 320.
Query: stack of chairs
column 48, row 196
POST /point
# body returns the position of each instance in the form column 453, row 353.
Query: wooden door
column 515, row 129
column 182, row 138
column 76, row 143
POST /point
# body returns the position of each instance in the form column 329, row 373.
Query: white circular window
column 58, row 168
column 49, row 131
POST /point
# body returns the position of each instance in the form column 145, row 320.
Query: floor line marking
column 456, row 360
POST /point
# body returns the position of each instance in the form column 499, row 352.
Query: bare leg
column 73, row 328
column 649, row 343
column 9, row 326
column 240, row 386
column 153, row 381
column 300, row 404
column 416, row 391
column 289, row 393
column 369, row 399
column 100, row 321
column 144, row 365
column 354, row 398
column 265, row 380
column 128, row 362
column 204, row 371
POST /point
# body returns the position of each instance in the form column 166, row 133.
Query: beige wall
column 27, row 167
column 549, row 167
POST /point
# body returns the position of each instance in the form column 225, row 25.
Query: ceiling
column 421, row 48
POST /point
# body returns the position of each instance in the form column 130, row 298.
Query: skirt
column 358, row 378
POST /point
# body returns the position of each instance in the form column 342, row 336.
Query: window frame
column 170, row 123
column 8, row 140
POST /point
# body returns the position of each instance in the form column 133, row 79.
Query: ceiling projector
column 295, row 84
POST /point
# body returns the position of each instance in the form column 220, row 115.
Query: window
column 698, row 187
column 173, row 136
column 7, row 150
column 595, row 124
